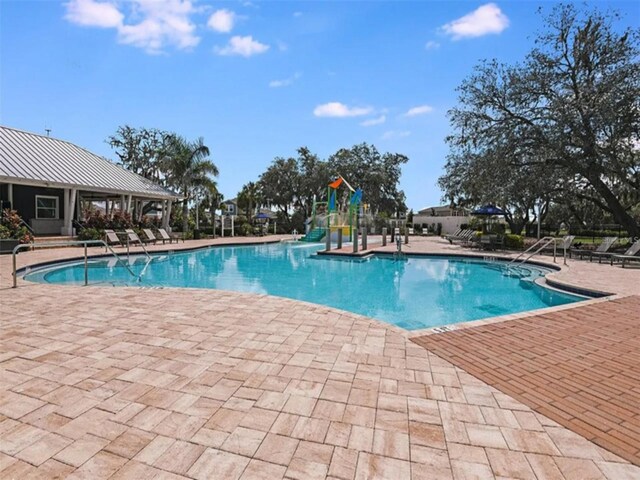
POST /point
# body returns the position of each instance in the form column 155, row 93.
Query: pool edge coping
column 595, row 295
column 20, row 272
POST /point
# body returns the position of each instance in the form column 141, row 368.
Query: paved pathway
column 136, row 383
column 580, row 367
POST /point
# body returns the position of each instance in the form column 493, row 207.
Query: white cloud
column 431, row 45
column 222, row 20
column 374, row 121
column 90, row 13
column 243, row 46
column 148, row 24
column 482, row 21
column 390, row 134
column 421, row 110
column 297, row 14
column 337, row 109
column 284, row 83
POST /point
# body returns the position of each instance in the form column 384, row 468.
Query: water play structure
column 338, row 216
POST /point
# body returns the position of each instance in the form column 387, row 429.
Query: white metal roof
column 32, row 159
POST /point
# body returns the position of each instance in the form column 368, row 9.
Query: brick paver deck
column 579, row 367
column 130, row 383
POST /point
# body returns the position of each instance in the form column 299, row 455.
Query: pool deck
column 101, row 382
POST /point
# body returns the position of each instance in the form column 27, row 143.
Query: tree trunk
column 617, row 210
column 185, row 216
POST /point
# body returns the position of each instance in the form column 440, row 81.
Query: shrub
column 245, row 229
column 90, row 234
column 513, row 241
column 13, row 228
column 95, row 219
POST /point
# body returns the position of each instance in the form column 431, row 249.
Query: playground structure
column 337, row 217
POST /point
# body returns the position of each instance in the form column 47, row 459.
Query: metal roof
column 32, row 159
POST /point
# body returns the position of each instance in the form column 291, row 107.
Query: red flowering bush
column 12, row 227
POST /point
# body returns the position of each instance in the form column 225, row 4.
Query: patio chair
column 133, row 236
column 607, row 243
column 462, row 237
column 457, row 233
column 149, row 237
column 631, row 255
column 490, row 242
column 564, row 243
column 112, row 238
column 164, row 236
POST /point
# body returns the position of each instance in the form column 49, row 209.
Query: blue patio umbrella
column 488, row 211
column 262, row 215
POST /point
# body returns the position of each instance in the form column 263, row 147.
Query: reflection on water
column 417, row 292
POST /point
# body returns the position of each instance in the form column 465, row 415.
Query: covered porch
column 54, row 210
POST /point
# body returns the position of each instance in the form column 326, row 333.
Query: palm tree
column 250, row 197
column 189, row 170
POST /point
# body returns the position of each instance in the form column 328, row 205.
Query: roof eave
column 45, row 183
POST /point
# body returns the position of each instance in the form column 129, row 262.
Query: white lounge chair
column 164, row 236
column 149, row 236
column 561, row 245
column 133, row 236
column 112, row 238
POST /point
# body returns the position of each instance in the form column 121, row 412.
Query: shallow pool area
column 414, row 292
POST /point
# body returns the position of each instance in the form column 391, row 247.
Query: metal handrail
column 67, row 244
column 545, row 241
column 22, row 222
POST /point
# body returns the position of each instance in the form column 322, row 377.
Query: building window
column 46, row 207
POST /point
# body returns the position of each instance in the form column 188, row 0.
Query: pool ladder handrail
column 69, row 243
column 534, row 250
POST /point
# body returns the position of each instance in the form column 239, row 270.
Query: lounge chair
column 631, row 255
column 561, row 245
column 456, row 234
column 164, row 236
column 149, row 237
column 464, row 236
column 132, row 236
column 604, row 247
column 112, row 238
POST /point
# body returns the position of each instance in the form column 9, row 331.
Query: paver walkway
column 101, row 382
column 580, row 367
column 172, row 383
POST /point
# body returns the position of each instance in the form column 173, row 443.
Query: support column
column 233, row 226
column 107, row 204
column 167, row 216
column 79, row 207
column 10, row 195
column 122, row 203
column 69, row 204
column 129, row 203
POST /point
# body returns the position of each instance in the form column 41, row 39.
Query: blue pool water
column 417, row 292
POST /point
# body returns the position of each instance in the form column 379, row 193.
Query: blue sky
column 258, row 79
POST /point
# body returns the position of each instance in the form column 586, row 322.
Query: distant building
column 450, row 218
column 230, row 207
column 50, row 182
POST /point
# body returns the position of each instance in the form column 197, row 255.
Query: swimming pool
column 412, row 293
